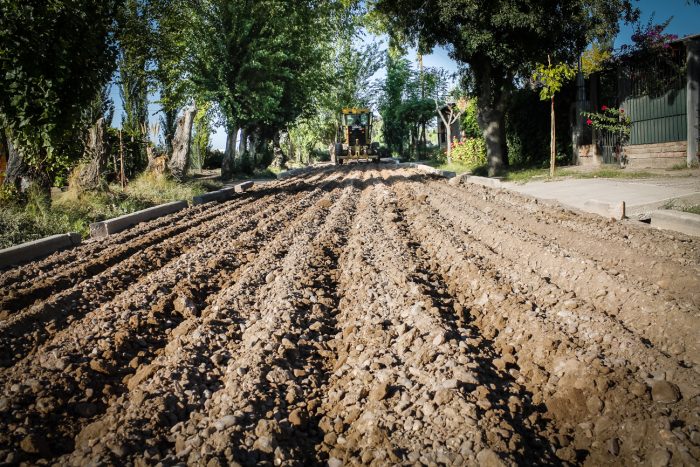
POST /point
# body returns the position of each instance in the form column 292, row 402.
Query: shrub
column 470, row 151
column 213, row 159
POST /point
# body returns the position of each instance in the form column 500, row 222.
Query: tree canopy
column 56, row 57
column 501, row 40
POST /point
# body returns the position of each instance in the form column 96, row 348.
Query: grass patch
column 692, row 209
column 526, row 175
column 606, row 173
column 74, row 212
column 530, row 174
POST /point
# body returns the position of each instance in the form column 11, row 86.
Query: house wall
column 442, row 134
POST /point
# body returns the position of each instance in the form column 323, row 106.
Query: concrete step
column 655, row 155
column 685, row 222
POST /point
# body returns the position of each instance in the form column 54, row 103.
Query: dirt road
column 361, row 315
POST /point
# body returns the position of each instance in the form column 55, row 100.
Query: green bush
column 213, row 159
column 470, row 151
column 470, row 122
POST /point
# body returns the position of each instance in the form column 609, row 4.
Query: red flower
column 589, row 122
column 604, row 108
column 622, row 111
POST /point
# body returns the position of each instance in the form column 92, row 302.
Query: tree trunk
column 491, row 122
column 179, row 160
column 490, row 116
column 254, row 146
column 448, row 135
column 228, row 163
column 279, row 160
column 169, row 122
column 552, row 143
column 90, row 175
column 16, row 171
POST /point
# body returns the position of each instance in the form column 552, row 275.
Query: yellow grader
column 354, row 137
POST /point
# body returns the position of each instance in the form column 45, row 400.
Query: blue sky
column 686, row 21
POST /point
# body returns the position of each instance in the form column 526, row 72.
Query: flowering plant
column 610, row 119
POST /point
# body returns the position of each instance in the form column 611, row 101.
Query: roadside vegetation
column 274, row 76
column 68, row 211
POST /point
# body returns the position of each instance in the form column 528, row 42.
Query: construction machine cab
column 354, row 137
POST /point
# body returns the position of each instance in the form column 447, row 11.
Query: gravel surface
column 357, row 315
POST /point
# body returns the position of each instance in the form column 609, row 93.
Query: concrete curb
column 475, row 179
column 684, row 222
column 241, row 187
column 428, row 169
column 615, row 210
column 218, row 195
column 38, row 248
column 291, row 173
column 112, row 226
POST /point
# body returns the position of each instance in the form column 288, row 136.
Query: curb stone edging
column 244, row 186
column 111, row 226
column 427, row 169
column 218, row 195
column 614, row 210
column 477, row 180
column 684, row 222
column 38, row 248
column 222, row 194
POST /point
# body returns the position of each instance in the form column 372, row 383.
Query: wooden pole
column 552, row 144
column 552, row 136
column 121, row 161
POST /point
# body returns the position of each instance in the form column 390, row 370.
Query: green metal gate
column 658, row 119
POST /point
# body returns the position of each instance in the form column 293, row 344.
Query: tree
column 451, row 113
column 180, row 158
column 551, row 78
column 259, row 62
column 56, row 56
column 135, row 56
column 502, row 40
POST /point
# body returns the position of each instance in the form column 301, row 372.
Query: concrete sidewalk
column 641, row 196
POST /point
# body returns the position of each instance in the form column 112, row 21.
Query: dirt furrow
column 559, row 352
column 664, row 271
column 212, row 343
column 159, row 241
column 129, row 341
column 400, row 389
column 357, row 315
column 31, row 327
column 612, row 294
column 617, row 236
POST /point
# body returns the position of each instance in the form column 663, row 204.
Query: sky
column 686, row 21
